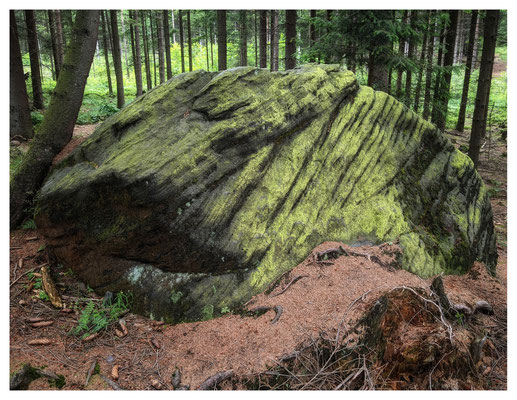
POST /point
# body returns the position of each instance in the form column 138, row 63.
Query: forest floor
column 326, row 296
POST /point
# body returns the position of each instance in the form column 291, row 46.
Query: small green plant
column 43, row 295
column 38, row 284
column 460, row 318
column 208, row 312
column 89, row 289
column 176, row 296
column 96, row 317
column 29, row 224
column 225, row 310
column 41, row 248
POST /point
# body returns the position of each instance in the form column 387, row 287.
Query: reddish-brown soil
column 315, row 303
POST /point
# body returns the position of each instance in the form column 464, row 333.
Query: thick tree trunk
column 174, row 40
column 274, row 40
column 106, row 51
column 436, row 105
column 32, row 40
column 138, row 56
column 161, row 49
column 20, row 123
column 53, row 39
column 290, row 39
column 117, row 59
column 460, row 126
column 58, row 123
column 421, row 65
column 484, row 82
column 263, row 39
column 148, row 79
column 124, row 42
column 167, row 38
column 221, row 39
column 189, row 40
column 243, row 30
column 450, row 42
column 429, row 70
column 475, row 58
column 182, row 51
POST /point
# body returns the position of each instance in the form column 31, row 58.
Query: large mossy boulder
column 202, row 192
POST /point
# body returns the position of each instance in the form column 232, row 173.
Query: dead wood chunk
column 119, row 333
column 91, row 337
column 462, row 309
column 30, row 286
column 215, row 380
column 112, row 384
column 114, row 372
column 439, row 291
column 157, row 323
column 67, row 310
column 185, row 387
column 29, row 239
column 22, row 303
column 155, row 383
column 50, row 288
column 483, row 307
column 278, row 312
column 40, row 342
column 476, row 348
column 176, row 378
column 123, row 326
column 42, row 324
column 90, row 372
column 156, row 344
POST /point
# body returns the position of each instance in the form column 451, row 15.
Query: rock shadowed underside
column 202, row 192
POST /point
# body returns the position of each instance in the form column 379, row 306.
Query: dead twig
column 278, row 312
column 289, row 284
column 25, row 273
column 215, row 380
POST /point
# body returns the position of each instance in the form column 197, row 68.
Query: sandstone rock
column 203, row 191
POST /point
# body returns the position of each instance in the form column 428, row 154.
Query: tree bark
column 411, row 49
column 400, row 69
column 475, row 58
column 138, row 56
column 243, row 53
column 189, row 39
column 124, row 42
column 221, row 39
column 312, row 35
column 153, row 51
column 53, row 39
column 106, row 51
column 421, row 66
column 290, row 39
column 484, row 82
column 149, row 82
column 182, row 51
column 117, row 59
column 460, row 125
column 429, row 71
column 20, row 123
column 443, row 94
column 161, row 49
column 263, row 39
column 435, row 112
column 57, row 126
column 274, row 40
column 32, row 40
column 60, row 39
column 167, row 38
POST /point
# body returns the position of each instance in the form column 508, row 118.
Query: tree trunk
column 167, row 38
column 53, row 39
column 290, row 39
column 421, row 66
column 255, row 27
column 182, row 51
column 460, row 126
column 117, row 59
column 436, row 105
column 475, row 58
column 124, row 42
column 138, row 56
column 106, row 51
column 207, row 39
column 450, row 41
column 32, row 40
column 411, row 49
column 484, row 82
column 274, row 40
column 263, row 39
column 20, row 123
column 60, row 39
column 211, row 45
column 400, row 69
column 161, row 49
column 429, row 71
column 174, row 40
column 221, row 39
column 243, row 39
column 149, row 82
column 58, row 123
column 312, row 35
column 153, row 50
column 189, row 39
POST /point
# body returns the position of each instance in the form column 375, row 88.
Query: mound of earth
column 204, row 191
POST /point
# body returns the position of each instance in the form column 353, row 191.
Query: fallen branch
column 289, row 284
column 278, row 310
column 27, row 272
column 50, row 288
column 215, row 380
column 113, row 385
column 90, row 372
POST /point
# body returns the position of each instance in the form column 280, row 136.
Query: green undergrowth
column 97, row 316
